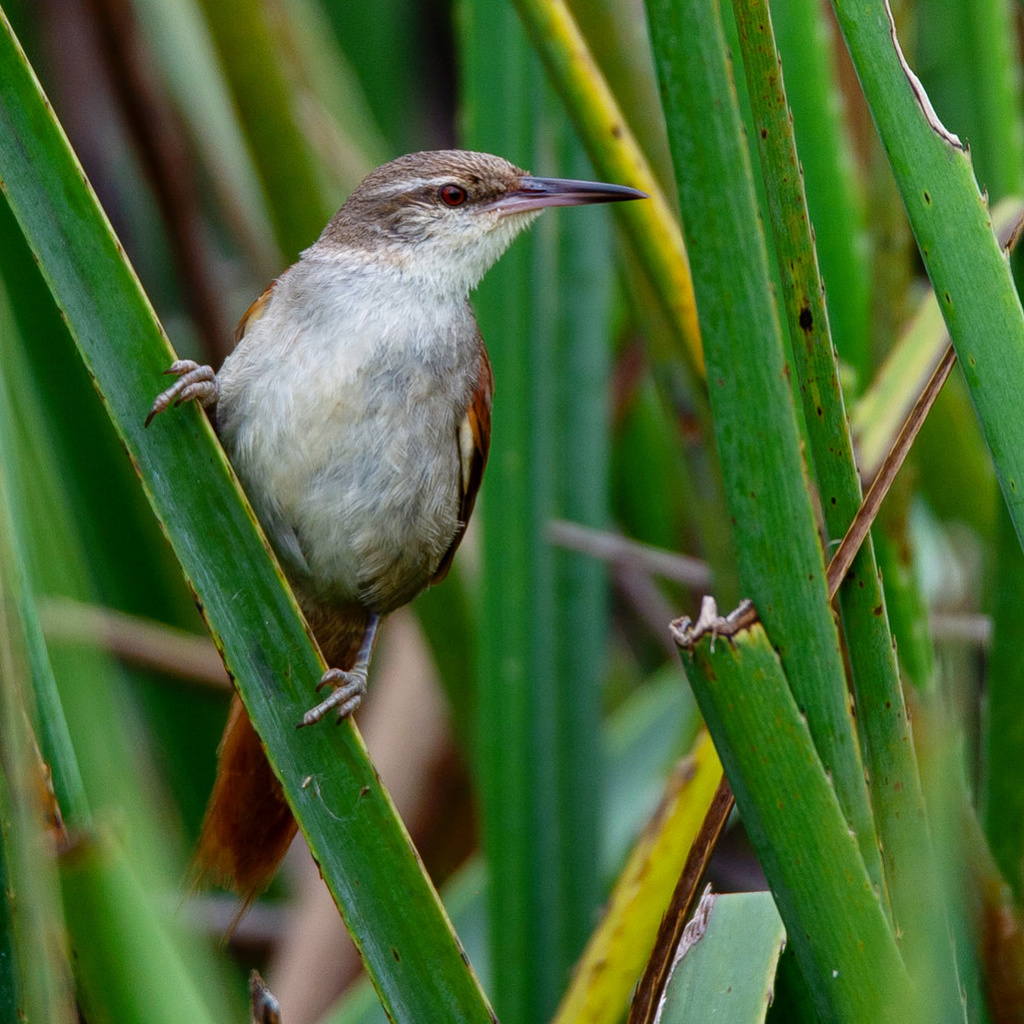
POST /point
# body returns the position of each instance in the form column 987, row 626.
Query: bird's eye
column 452, row 195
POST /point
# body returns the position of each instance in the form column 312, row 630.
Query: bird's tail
column 248, row 825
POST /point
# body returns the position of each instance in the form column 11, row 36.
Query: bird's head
column 447, row 216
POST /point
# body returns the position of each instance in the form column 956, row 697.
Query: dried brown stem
column 850, row 545
column 652, row 985
column 630, row 554
column 139, row 641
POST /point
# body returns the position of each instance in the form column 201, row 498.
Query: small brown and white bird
column 356, row 410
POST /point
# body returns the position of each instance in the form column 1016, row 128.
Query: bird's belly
column 376, row 520
column 360, row 495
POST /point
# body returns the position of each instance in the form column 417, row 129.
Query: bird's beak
column 536, row 193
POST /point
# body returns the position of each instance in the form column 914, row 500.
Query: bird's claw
column 348, row 690
column 195, row 383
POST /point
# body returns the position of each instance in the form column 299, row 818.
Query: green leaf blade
column 952, row 224
column 756, row 434
column 729, row 973
column 911, row 877
column 846, row 949
column 364, row 851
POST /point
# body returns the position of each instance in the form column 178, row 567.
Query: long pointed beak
column 536, row 193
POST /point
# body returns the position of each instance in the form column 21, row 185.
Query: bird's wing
column 474, row 441
column 254, row 312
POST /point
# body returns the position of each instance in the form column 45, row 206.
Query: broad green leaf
column 728, row 974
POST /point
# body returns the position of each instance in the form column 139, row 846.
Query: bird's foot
column 195, row 383
column 349, row 687
column 347, row 694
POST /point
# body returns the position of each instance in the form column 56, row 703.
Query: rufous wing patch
column 474, row 441
column 254, row 312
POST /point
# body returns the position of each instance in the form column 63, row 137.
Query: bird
column 355, row 409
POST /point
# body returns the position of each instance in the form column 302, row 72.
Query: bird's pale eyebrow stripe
column 411, row 184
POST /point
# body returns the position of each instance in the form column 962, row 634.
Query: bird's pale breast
column 343, row 426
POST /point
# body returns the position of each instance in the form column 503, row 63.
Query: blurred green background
column 526, row 715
